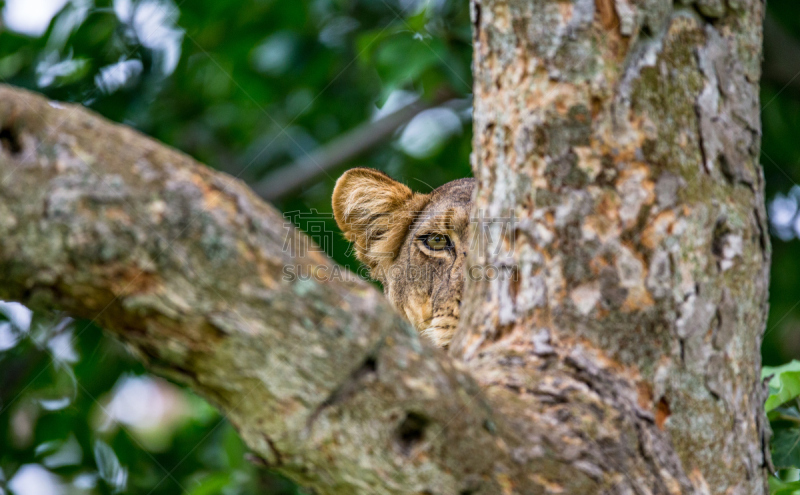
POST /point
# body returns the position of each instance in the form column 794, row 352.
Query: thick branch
column 321, row 378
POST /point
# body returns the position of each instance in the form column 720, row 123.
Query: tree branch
column 341, row 150
column 321, row 378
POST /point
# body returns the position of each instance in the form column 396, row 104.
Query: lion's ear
column 375, row 212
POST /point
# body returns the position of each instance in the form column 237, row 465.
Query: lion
column 414, row 244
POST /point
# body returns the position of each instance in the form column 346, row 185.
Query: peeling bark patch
column 627, row 17
column 607, row 14
column 541, row 343
column 9, row 141
column 667, row 190
column 662, row 413
column 411, row 431
column 718, row 374
column 635, row 191
column 659, row 276
column 726, row 245
column 712, row 9
column 721, row 231
column 613, row 295
column 728, row 112
column 727, row 319
column 585, row 297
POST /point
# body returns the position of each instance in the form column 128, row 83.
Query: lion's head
column 414, row 244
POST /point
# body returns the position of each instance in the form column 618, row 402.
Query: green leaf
column 234, row 447
column 783, row 418
column 785, row 447
column 109, row 468
column 417, row 22
column 789, row 389
column 766, row 371
column 403, row 59
column 47, row 448
column 784, row 384
column 368, row 42
column 211, row 484
column 778, row 487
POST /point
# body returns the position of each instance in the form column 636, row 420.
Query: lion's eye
column 437, row 241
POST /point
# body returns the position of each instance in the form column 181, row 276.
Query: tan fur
column 387, row 222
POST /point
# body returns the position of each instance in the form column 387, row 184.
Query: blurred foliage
column 248, row 87
column 783, row 411
column 76, row 403
column 780, row 158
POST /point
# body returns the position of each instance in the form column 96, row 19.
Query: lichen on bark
column 642, row 248
column 320, row 377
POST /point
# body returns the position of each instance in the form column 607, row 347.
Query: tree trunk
column 621, row 203
column 623, row 138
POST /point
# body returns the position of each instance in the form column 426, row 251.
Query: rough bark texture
column 619, row 353
column 624, row 136
column 186, row 265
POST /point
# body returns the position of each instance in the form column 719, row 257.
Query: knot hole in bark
column 9, row 140
column 721, row 230
column 411, row 431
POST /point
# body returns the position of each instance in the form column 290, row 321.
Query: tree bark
column 321, row 378
column 617, row 353
column 624, row 139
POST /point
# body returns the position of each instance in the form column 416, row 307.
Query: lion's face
column 414, row 244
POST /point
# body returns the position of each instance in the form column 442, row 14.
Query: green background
column 250, row 87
